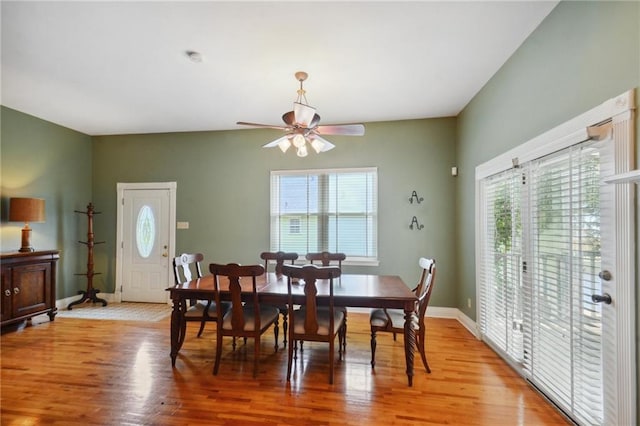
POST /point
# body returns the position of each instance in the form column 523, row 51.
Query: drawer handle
column 7, row 292
column 16, row 290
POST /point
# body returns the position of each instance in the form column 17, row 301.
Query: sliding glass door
column 541, row 264
column 555, row 264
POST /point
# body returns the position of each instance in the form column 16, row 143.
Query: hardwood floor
column 99, row 372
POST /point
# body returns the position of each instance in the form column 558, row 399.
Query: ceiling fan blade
column 275, row 143
column 267, row 126
column 344, row 129
column 303, row 114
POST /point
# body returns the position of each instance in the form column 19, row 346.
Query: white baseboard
column 469, row 324
column 453, row 313
column 440, row 312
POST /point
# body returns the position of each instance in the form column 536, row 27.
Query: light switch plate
column 183, row 225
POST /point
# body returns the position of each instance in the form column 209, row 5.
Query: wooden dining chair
column 327, row 258
column 186, row 267
column 278, row 259
column 392, row 320
column 248, row 320
column 317, row 319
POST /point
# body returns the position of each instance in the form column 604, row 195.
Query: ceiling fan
column 302, row 126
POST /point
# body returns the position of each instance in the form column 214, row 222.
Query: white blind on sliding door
column 563, row 348
column 500, row 298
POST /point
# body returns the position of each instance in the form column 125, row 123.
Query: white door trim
column 120, row 188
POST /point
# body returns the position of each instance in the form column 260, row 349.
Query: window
column 294, row 225
column 334, row 210
column 145, row 231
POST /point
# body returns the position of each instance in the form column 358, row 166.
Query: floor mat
column 126, row 311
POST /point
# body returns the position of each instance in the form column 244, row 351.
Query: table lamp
column 26, row 210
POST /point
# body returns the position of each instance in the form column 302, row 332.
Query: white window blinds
column 334, row 210
column 540, row 265
column 563, row 347
column 500, row 294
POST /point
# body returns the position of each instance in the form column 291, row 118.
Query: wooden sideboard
column 28, row 285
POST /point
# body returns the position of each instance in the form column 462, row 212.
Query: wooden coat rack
column 91, row 293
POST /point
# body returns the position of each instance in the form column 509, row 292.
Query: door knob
column 601, row 298
column 165, row 254
column 605, row 275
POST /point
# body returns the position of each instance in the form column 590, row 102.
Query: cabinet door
column 29, row 288
column 5, row 297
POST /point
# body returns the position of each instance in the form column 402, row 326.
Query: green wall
column 43, row 160
column 223, row 191
column 582, row 54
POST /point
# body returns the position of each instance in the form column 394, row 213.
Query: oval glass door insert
column 145, row 231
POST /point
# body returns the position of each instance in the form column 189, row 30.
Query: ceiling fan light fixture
column 302, row 151
column 284, row 144
column 317, row 145
column 299, row 141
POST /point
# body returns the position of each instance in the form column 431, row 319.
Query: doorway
column 554, row 262
column 146, row 241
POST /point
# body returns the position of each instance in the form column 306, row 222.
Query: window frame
column 274, row 240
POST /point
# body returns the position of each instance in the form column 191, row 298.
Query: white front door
column 146, row 215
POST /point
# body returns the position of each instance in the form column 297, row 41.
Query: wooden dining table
column 350, row 290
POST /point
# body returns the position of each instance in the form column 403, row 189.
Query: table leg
column 177, row 330
column 409, row 344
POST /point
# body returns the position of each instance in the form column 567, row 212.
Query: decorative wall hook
column 415, row 221
column 414, row 194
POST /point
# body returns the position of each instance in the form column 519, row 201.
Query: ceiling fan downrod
column 302, row 76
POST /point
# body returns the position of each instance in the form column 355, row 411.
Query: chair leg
column 256, row 355
column 276, row 331
column 331, row 359
column 285, row 326
column 201, row 327
column 290, row 361
column 216, row 366
column 373, row 348
column 344, row 335
column 420, row 344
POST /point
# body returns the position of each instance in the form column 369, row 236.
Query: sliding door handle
column 601, row 298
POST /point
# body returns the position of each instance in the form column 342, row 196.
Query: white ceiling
column 120, row 67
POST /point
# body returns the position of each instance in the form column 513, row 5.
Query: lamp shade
column 26, row 210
